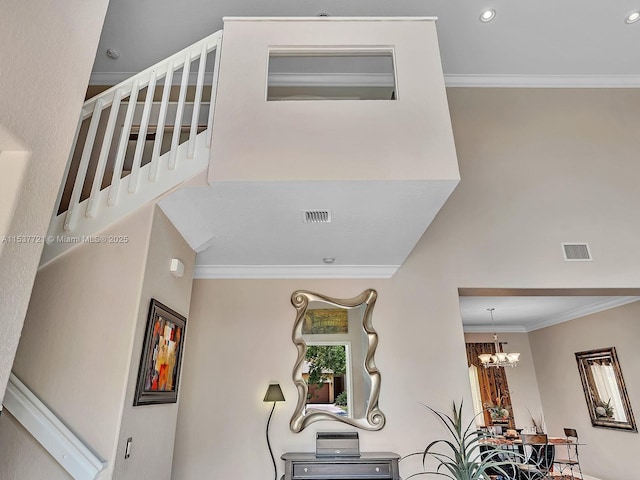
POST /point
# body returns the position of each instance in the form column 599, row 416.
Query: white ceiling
column 256, row 229
column 240, row 232
column 527, row 313
column 544, row 43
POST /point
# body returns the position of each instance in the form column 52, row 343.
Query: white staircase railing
column 80, row 462
column 121, row 157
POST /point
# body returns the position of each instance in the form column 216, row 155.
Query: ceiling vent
column 576, row 252
column 316, row 216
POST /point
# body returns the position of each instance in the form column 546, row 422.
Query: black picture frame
column 161, row 357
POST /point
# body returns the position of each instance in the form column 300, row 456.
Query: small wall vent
column 576, row 252
column 316, row 216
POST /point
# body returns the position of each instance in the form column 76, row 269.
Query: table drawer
column 374, row 470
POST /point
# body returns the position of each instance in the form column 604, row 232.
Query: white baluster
column 122, row 146
column 72, row 212
column 142, row 134
column 66, row 171
column 214, row 90
column 175, row 140
column 162, row 118
column 196, row 103
column 92, row 204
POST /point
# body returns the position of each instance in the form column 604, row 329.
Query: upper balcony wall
column 409, row 138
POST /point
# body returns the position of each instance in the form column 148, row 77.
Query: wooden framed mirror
column 604, row 389
column 336, row 345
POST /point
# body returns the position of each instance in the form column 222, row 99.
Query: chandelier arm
column 500, row 358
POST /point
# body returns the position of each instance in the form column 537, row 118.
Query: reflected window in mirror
column 604, row 389
column 328, row 378
column 335, row 372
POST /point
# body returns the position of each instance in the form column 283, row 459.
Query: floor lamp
column 274, row 394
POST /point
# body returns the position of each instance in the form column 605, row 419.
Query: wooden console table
column 368, row 466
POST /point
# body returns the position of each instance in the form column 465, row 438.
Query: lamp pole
column 274, row 394
column 273, row 460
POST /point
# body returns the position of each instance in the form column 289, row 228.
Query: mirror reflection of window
column 332, row 333
column 604, row 389
column 328, row 378
column 608, row 401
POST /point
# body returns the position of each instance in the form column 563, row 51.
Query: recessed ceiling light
column 633, row 17
column 113, row 53
column 487, row 15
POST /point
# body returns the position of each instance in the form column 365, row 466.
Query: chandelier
column 500, row 358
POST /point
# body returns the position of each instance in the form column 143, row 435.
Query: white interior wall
column 563, row 398
column 75, row 348
column 152, row 427
column 14, row 164
column 395, row 140
column 81, row 345
column 21, row 457
column 538, row 167
column 41, row 95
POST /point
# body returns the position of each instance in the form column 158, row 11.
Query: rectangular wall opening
column 354, row 74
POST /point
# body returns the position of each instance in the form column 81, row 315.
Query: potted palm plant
column 466, row 454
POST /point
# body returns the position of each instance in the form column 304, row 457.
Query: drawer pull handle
column 377, row 469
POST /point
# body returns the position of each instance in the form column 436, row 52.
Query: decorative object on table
column 337, row 444
column 604, row 389
column 538, row 423
column 159, row 372
column 604, row 409
column 499, row 413
column 463, row 456
column 274, row 394
column 499, row 358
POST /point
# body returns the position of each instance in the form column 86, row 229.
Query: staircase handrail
column 63, row 445
column 177, row 60
column 96, row 177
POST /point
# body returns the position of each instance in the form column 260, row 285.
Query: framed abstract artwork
column 159, row 372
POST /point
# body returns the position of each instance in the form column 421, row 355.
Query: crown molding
column 542, row 81
column 603, row 305
column 490, row 329
column 582, row 312
column 317, row 18
column 293, row 271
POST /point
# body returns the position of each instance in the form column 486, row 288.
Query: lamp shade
column 274, row 393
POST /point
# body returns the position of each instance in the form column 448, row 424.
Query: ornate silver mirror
column 604, row 389
column 335, row 372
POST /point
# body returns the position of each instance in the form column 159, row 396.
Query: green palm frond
column 458, row 457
